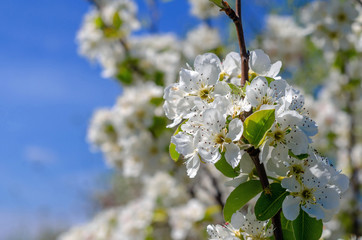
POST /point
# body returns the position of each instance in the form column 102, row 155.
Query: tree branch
column 236, row 18
column 254, row 154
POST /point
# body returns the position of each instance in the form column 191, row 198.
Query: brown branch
column 254, row 154
column 236, row 18
column 359, row 2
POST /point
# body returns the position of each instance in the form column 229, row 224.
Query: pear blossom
column 241, row 227
column 317, row 190
column 199, row 84
column 260, row 65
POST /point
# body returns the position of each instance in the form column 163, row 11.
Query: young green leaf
column 218, row 3
column 235, row 89
column 117, row 21
column 269, row 204
column 172, row 148
column 306, row 227
column 257, row 125
column 287, row 228
column 300, row 157
column 224, row 167
column 240, row 196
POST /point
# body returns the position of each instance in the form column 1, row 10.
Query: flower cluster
column 130, row 131
column 212, row 109
column 241, row 227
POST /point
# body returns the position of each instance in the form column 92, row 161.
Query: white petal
column 290, row 207
column 328, row 198
column 232, row 64
column 341, row 181
column 209, row 153
column 291, row 184
column 246, row 163
column 209, row 67
column 237, row 220
column 259, row 62
column 297, row 142
column 193, row 165
column 314, row 210
column 232, row 154
column 274, row 69
column 214, row 120
column 184, row 143
column 235, row 129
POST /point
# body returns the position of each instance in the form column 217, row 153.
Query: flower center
column 341, row 17
column 296, row 169
column 205, row 93
column 279, row 135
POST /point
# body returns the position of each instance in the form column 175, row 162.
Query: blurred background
column 50, row 176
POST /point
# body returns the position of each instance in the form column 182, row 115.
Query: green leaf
column 158, row 125
column 225, row 168
column 306, row 227
column 269, row 204
column 172, row 148
column 235, row 89
column 98, row 22
column 257, row 125
column 300, row 157
column 269, row 79
column 218, row 3
column 240, row 196
column 287, row 228
column 117, row 21
column 159, row 78
column 173, row 153
column 157, row 101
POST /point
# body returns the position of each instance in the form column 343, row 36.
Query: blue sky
column 47, row 95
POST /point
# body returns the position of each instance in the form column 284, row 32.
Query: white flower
column 194, row 85
column 284, row 39
column 204, row 9
column 188, row 146
column 183, row 217
column 201, row 39
column 241, row 227
column 317, row 191
column 259, row 93
column 260, row 65
column 216, row 137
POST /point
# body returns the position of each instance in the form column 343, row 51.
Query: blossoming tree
column 238, row 124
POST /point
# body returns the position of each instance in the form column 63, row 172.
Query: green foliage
column 117, row 21
column 218, row 3
column 157, row 101
column 287, row 228
column 269, row 203
column 99, row 22
column 240, row 196
column 235, row 89
column 158, row 126
column 224, row 167
column 172, row 148
column 300, row 156
column 257, row 125
column 306, row 227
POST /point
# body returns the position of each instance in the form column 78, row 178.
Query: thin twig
column 253, row 153
column 359, row 2
column 239, row 29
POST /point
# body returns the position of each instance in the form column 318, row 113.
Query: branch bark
column 253, row 153
column 236, row 18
